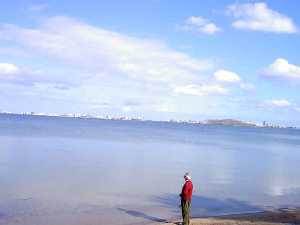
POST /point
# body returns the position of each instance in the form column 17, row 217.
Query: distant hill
column 231, row 122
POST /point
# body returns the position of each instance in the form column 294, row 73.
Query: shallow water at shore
column 76, row 171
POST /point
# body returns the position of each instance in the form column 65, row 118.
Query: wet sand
column 276, row 217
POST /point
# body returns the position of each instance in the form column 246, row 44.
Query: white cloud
column 88, row 66
column 226, row 76
column 258, row 17
column 38, row 7
column 281, row 68
column 279, row 103
column 8, row 69
column 282, row 104
column 11, row 51
column 201, row 90
column 199, row 25
column 126, row 108
column 105, row 52
column 166, row 108
column 12, row 73
column 247, row 86
column 230, row 77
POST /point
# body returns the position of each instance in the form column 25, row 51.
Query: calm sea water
column 84, row 171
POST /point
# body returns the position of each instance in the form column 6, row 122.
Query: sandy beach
column 276, row 217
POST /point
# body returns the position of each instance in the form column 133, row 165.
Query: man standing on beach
column 186, row 197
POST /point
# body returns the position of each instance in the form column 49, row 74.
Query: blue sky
column 157, row 59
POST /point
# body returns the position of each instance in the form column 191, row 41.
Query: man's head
column 187, row 176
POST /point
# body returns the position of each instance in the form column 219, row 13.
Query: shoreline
column 205, row 122
column 268, row 217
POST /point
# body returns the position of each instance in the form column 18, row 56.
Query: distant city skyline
column 225, row 121
column 154, row 59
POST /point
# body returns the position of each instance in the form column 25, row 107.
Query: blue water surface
column 88, row 171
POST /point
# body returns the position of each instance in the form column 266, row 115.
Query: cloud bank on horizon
column 67, row 64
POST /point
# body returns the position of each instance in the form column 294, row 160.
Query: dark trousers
column 185, row 207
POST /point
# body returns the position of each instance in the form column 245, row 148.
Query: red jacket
column 187, row 190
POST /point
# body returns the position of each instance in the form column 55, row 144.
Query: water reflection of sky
column 238, row 168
